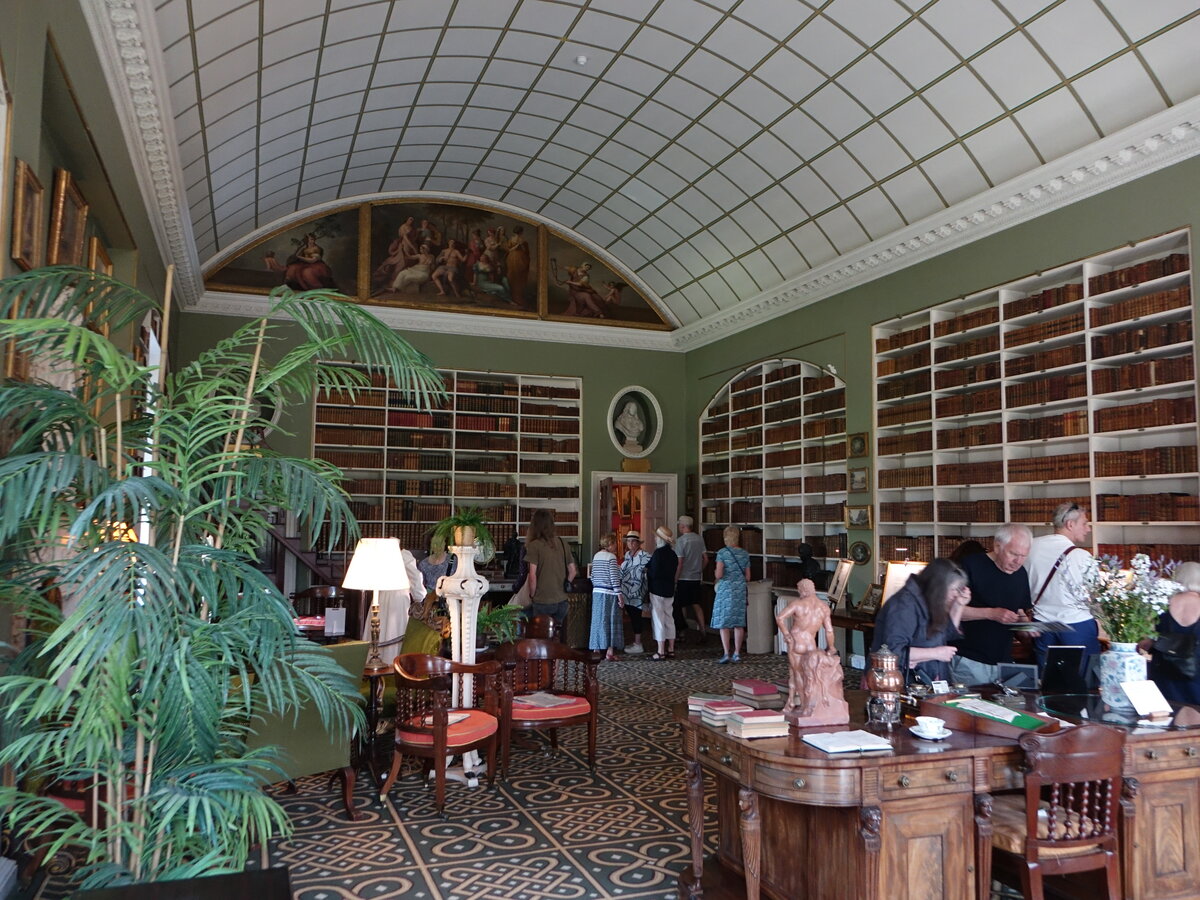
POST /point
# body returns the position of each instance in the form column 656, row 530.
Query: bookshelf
column 507, row 443
column 1076, row 383
column 773, row 459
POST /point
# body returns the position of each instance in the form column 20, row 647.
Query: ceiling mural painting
column 448, row 257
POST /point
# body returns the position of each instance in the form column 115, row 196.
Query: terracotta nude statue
column 815, row 676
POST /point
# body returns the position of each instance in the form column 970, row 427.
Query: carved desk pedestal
column 914, row 824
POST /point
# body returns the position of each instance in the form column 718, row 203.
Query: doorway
column 633, row 501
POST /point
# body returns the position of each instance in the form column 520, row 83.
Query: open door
column 605, row 502
column 654, row 510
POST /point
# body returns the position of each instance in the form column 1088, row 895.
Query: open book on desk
column 847, row 741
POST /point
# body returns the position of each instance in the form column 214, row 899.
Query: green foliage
column 498, row 622
column 442, row 535
column 142, row 690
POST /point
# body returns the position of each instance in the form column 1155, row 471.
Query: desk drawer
column 824, row 787
column 946, row 777
column 718, row 755
column 1171, row 753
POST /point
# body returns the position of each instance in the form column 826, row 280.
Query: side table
column 375, row 676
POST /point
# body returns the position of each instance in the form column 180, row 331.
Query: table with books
column 910, row 820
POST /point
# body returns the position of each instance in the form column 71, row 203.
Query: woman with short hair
column 1182, row 616
column 729, row 606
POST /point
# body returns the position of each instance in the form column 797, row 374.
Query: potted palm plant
column 139, row 685
column 466, row 526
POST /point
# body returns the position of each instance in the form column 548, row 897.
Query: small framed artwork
column 860, row 480
column 68, row 217
column 856, row 445
column 838, row 583
column 858, row 517
column 28, row 239
column 860, row 552
column 99, row 260
column 871, row 599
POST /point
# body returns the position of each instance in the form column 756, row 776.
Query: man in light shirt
column 1057, row 566
column 690, row 548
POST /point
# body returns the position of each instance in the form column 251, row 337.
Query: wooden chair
column 428, row 727
column 540, row 665
column 1066, row 821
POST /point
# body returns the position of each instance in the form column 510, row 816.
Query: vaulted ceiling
column 723, row 151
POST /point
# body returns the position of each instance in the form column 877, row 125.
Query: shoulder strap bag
column 1053, row 569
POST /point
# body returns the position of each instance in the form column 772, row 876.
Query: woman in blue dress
column 729, row 607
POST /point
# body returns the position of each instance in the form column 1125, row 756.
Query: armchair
column 428, row 727
column 539, row 665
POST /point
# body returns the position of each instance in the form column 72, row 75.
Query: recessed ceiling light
column 581, row 60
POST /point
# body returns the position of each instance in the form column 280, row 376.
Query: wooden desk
column 852, row 623
column 913, row 824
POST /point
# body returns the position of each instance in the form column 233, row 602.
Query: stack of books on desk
column 758, row 693
column 696, row 701
column 716, row 712
column 757, row 723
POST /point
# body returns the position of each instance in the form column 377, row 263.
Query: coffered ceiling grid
column 717, row 149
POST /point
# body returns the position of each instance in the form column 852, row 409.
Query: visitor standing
column 550, row 566
column 689, row 547
column 607, row 633
column 1058, row 567
column 633, row 586
column 660, row 580
column 729, row 606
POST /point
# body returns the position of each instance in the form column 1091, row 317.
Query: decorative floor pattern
column 552, row 831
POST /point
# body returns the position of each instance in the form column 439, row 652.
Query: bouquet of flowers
column 1128, row 602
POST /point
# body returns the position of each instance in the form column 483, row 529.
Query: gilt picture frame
column 68, row 221
column 98, row 258
column 28, row 241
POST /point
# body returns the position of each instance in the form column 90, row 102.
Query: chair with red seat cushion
column 427, row 726
column 545, row 666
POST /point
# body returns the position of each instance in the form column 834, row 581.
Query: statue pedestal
column 823, row 701
column 463, row 592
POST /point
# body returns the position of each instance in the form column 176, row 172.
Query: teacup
column 930, row 725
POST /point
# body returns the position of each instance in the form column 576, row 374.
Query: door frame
column 669, row 479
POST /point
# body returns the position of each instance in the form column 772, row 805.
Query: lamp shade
column 377, row 565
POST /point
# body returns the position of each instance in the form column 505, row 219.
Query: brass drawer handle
column 1190, row 751
column 1152, row 754
column 800, row 784
column 904, row 781
column 952, row 775
column 726, row 759
column 703, row 748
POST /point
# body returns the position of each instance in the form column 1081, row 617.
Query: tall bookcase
column 508, row 443
column 1076, row 383
column 773, row 457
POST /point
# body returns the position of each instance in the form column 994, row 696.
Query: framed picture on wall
column 68, row 218
column 871, row 600
column 860, row 480
column 858, row 517
column 28, row 239
column 856, row 445
column 98, row 258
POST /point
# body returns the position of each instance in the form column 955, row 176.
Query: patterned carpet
column 553, row 831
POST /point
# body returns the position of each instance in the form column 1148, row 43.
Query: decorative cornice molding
column 130, row 53
column 221, row 303
column 1152, row 144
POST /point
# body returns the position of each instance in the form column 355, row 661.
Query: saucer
column 945, row 733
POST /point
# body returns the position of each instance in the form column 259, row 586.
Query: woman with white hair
column 1178, row 677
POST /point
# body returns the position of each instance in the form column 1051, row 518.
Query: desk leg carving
column 751, row 828
column 1128, row 830
column 983, row 845
column 870, row 823
column 689, row 885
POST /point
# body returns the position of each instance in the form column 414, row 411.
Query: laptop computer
column 1063, row 673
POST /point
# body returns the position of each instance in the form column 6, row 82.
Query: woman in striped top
column 608, row 631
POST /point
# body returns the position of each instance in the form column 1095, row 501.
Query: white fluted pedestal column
column 463, row 592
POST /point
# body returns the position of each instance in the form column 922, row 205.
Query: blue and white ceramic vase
column 1121, row 662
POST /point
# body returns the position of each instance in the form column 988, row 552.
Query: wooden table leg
column 870, row 823
column 983, row 846
column 750, row 826
column 689, row 883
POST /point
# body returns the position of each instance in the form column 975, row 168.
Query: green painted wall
column 838, row 329
column 604, row 371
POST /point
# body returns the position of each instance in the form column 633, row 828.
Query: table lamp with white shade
column 377, row 565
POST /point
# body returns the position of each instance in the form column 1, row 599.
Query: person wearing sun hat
column 633, row 586
column 660, row 579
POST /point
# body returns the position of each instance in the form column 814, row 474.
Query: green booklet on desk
column 997, row 713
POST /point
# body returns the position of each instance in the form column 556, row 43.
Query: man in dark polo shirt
column 999, row 597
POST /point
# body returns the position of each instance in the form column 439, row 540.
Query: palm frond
column 76, row 294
